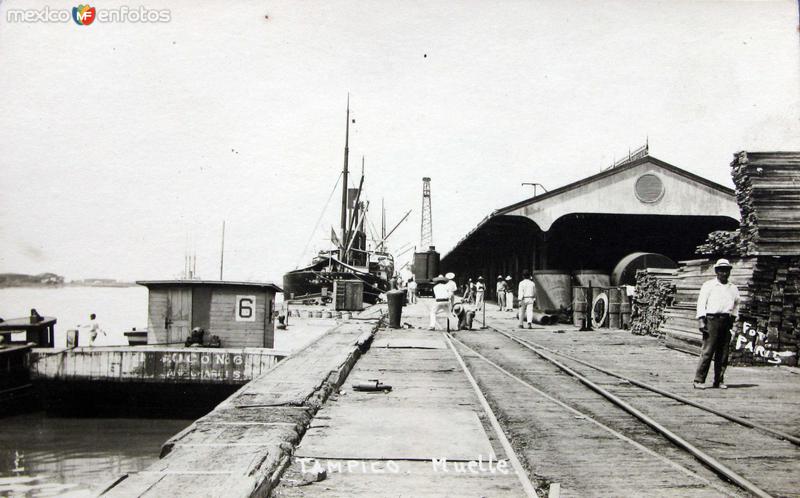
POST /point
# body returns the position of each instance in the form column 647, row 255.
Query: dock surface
column 302, row 429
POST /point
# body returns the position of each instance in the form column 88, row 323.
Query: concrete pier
column 240, row 447
column 428, row 436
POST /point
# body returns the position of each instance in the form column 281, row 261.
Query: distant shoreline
column 58, row 286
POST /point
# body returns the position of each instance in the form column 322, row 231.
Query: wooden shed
column 240, row 313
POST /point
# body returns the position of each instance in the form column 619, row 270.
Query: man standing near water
column 94, row 329
column 717, row 309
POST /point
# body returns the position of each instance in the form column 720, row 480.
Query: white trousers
column 439, row 307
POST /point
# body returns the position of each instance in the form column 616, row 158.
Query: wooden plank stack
column 768, row 194
column 768, row 274
column 654, row 292
column 680, row 329
column 721, row 243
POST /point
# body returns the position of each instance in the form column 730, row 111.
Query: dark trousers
column 716, row 344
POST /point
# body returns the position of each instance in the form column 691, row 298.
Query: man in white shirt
column 501, row 293
column 441, row 294
column 452, row 287
column 480, row 293
column 509, row 294
column 717, row 309
column 527, row 294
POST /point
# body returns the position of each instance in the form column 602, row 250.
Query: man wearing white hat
column 717, row 309
column 509, row 294
column 501, row 293
column 441, row 294
column 480, row 293
column 452, row 287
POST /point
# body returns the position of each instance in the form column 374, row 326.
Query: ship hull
column 309, row 284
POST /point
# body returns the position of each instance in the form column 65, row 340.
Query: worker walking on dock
column 501, row 293
column 527, row 295
column 442, row 296
column 717, row 309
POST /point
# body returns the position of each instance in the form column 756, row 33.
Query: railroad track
column 597, row 433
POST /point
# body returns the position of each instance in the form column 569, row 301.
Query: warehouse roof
column 643, row 186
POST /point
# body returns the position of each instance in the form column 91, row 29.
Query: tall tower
column 426, row 228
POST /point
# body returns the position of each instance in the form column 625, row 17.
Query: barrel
column 347, row 315
column 553, row 290
column 595, row 278
column 596, row 314
column 327, row 314
column 579, row 304
column 625, row 310
column 309, row 314
column 317, row 314
column 394, row 300
column 614, row 304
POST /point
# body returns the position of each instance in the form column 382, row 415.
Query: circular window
column 649, row 188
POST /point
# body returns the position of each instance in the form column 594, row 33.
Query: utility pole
column 222, row 251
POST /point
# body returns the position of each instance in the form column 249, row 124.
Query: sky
column 124, row 146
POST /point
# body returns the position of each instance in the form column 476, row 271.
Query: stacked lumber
column 680, row 329
column 654, row 292
column 768, row 194
column 769, row 329
column 722, row 243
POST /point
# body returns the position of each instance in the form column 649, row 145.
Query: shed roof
column 611, row 172
column 207, row 283
column 545, row 208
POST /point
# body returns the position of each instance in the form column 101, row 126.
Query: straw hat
column 722, row 263
column 439, row 280
column 450, row 275
column 508, row 277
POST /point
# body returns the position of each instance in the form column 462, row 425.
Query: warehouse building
column 642, row 205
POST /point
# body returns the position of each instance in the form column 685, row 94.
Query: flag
column 334, row 238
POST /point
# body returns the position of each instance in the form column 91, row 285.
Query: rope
column 316, row 226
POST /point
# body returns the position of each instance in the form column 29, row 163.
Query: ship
column 350, row 258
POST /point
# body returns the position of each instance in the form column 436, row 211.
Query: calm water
column 50, row 456
column 117, row 308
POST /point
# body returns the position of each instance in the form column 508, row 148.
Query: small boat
column 136, row 337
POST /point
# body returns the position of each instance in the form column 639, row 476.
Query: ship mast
column 343, row 255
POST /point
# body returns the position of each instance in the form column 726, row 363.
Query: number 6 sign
column 245, row 308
